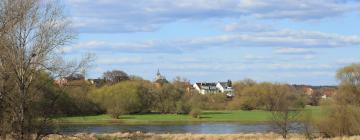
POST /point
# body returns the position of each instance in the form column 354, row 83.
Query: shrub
column 124, row 98
column 343, row 120
column 246, row 107
column 166, row 98
column 195, row 113
column 182, row 107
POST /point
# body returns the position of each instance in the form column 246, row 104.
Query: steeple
column 158, row 73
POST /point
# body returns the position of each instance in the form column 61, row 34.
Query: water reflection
column 223, row 128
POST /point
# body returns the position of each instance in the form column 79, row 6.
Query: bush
column 343, row 120
column 246, row 107
column 215, row 101
column 182, row 107
column 195, row 113
column 76, row 100
column 242, row 102
column 166, row 99
column 124, row 98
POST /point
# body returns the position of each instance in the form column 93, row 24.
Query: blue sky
column 292, row 41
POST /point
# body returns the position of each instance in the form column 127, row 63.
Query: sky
column 285, row 41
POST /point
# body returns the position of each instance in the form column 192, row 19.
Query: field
column 255, row 116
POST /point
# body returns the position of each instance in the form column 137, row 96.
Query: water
column 203, row 128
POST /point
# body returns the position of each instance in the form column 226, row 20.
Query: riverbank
column 239, row 116
column 186, row 136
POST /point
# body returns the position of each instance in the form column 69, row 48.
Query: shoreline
column 168, row 136
column 185, row 136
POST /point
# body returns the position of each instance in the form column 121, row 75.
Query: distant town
column 225, row 87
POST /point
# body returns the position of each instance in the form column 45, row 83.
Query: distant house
column 328, row 92
column 226, row 87
column 60, row 82
column 219, row 87
column 96, row 82
column 72, row 80
column 205, row 88
column 75, row 77
column 308, row 91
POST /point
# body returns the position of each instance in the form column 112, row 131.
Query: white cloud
column 347, row 61
column 294, row 66
column 298, row 10
column 248, row 26
column 286, row 41
column 110, row 60
column 312, row 74
column 118, row 45
column 279, row 38
column 296, row 51
column 113, row 16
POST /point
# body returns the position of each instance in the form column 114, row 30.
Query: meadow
column 240, row 116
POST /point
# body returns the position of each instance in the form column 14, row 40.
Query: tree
column 344, row 109
column 285, row 109
column 115, row 76
column 78, row 101
column 166, row 97
column 124, row 98
column 315, row 98
column 349, row 88
column 32, row 32
column 241, row 85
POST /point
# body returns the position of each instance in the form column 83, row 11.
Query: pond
column 202, row 128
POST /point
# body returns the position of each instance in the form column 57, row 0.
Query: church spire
column 158, row 72
column 158, row 75
column 159, row 79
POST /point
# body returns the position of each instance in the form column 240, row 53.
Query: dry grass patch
column 185, row 136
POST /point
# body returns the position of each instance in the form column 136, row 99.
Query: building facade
column 219, row 87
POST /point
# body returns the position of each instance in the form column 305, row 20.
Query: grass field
column 255, row 116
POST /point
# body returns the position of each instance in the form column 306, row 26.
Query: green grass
column 255, row 116
column 316, row 112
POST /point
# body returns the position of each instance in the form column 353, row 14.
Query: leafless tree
column 344, row 114
column 115, row 76
column 32, row 33
column 285, row 111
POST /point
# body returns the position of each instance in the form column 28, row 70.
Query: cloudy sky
column 294, row 41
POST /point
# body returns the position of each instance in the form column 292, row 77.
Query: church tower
column 158, row 75
column 159, row 79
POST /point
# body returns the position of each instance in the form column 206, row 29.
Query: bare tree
column 115, row 76
column 349, row 88
column 32, row 33
column 344, row 114
column 285, row 110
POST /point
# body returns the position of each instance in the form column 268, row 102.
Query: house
column 226, row 87
column 219, row 87
column 205, row 88
column 72, row 80
column 308, row 91
column 328, row 92
column 96, row 82
column 60, row 82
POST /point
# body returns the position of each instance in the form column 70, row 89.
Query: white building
column 219, row 87
column 205, row 88
column 226, row 87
